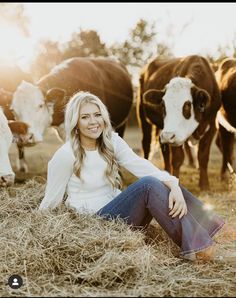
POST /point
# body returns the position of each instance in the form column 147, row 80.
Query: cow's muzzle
column 7, row 180
column 167, row 137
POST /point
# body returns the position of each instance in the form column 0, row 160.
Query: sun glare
column 15, row 48
column 208, row 207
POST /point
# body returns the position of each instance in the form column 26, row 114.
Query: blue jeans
column 148, row 198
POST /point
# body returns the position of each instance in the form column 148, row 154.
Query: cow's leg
column 191, row 151
column 177, row 159
column 146, row 140
column 121, row 130
column 154, row 141
column 165, row 149
column 203, row 156
column 21, row 163
column 145, row 127
column 227, row 144
column 218, row 140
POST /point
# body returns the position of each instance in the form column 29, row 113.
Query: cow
column 7, row 175
column 178, row 99
column 42, row 105
column 226, row 116
column 10, row 77
column 10, row 132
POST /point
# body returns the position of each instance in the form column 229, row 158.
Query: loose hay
column 61, row 253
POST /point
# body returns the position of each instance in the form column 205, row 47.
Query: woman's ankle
column 206, row 254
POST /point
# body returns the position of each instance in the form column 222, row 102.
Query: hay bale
column 62, row 253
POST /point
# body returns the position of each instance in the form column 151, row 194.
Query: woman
column 86, row 169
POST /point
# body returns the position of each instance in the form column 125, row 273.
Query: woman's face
column 91, row 123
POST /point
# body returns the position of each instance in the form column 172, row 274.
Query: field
column 60, row 253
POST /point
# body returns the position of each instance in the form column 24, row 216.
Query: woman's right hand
column 177, row 204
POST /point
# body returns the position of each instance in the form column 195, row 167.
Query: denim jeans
column 148, row 198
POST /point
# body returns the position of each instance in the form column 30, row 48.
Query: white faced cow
column 7, row 175
column 28, row 103
column 179, row 97
column 10, row 77
column 10, row 131
column 42, row 105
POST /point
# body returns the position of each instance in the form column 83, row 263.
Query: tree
column 138, row 48
column 49, row 54
column 84, row 44
column 14, row 13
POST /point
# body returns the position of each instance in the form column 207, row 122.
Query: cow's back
column 118, row 92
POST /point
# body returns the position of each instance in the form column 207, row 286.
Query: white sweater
column 93, row 190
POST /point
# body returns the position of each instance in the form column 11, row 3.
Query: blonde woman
column 86, row 170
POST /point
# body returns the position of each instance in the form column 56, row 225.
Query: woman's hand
column 177, row 204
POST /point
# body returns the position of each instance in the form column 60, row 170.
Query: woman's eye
column 98, row 115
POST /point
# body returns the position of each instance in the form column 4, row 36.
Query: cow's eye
column 40, row 106
column 187, row 109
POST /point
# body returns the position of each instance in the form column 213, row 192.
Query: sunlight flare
column 15, row 48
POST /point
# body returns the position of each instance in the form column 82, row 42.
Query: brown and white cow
column 226, row 116
column 42, row 105
column 179, row 99
column 10, row 77
column 10, row 131
column 7, row 175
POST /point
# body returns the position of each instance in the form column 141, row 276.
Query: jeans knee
column 150, row 181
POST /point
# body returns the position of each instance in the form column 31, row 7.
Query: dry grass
column 61, row 253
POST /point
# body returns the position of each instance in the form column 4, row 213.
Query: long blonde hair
column 105, row 147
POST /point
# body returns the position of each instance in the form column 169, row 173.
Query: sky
column 207, row 25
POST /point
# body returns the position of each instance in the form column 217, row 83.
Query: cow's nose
column 7, row 179
column 167, row 137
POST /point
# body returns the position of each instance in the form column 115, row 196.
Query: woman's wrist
column 172, row 184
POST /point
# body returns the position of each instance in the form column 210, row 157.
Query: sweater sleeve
column 60, row 169
column 137, row 165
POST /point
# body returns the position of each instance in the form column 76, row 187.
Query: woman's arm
column 141, row 167
column 60, row 169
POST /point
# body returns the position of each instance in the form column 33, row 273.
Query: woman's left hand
column 177, row 204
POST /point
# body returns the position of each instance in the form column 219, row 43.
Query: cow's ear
column 55, row 94
column 153, row 96
column 201, row 99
